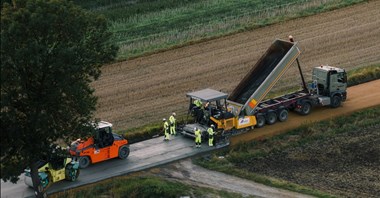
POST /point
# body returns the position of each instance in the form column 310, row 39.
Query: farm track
column 146, row 89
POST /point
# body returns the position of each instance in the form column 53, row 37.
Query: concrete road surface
column 146, row 154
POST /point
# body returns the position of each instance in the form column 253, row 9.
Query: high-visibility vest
column 198, row 103
column 166, row 125
column 210, row 131
column 197, row 133
column 172, row 119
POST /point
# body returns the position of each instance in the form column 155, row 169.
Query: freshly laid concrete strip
column 143, row 155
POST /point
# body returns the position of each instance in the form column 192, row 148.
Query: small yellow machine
column 53, row 171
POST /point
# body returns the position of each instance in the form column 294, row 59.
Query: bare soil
column 144, row 90
column 186, row 172
column 347, row 166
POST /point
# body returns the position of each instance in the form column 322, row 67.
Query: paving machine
column 245, row 108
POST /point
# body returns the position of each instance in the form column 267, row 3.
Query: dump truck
column 245, row 108
column 103, row 145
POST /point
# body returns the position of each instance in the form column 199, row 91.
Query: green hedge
column 364, row 74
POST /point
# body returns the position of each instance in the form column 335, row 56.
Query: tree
column 50, row 53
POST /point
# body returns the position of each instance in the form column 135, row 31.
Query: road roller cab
column 103, row 145
column 53, row 169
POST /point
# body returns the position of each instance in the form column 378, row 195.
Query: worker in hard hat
column 198, row 103
column 211, row 133
column 166, row 130
column 198, row 108
column 198, row 136
column 172, row 121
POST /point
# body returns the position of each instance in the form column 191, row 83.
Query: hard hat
column 164, row 119
column 174, row 113
column 195, row 128
column 212, row 126
column 291, row 39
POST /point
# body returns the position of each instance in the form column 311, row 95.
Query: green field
column 144, row 27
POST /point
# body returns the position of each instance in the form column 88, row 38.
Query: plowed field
column 347, row 166
column 146, row 89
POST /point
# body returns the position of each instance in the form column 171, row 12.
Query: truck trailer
column 246, row 106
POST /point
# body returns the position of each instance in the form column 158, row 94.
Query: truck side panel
column 264, row 74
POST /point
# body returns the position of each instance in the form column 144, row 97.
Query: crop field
column 146, row 89
column 147, row 26
column 348, row 166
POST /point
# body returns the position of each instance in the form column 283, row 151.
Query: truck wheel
column 84, row 161
column 336, row 101
column 123, row 152
column 271, row 118
column 305, row 108
column 283, row 115
column 260, row 121
column 71, row 174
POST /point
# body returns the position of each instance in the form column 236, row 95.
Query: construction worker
column 198, row 103
column 211, row 133
column 198, row 138
column 166, row 130
column 172, row 121
column 198, row 108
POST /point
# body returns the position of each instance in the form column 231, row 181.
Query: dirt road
column 146, row 89
column 361, row 96
column 185, row 171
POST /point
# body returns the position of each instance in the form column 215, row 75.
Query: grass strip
column 363, row 74
column 140, row 187
column 146, row 27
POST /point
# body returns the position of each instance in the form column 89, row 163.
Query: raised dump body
column 262, row 77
